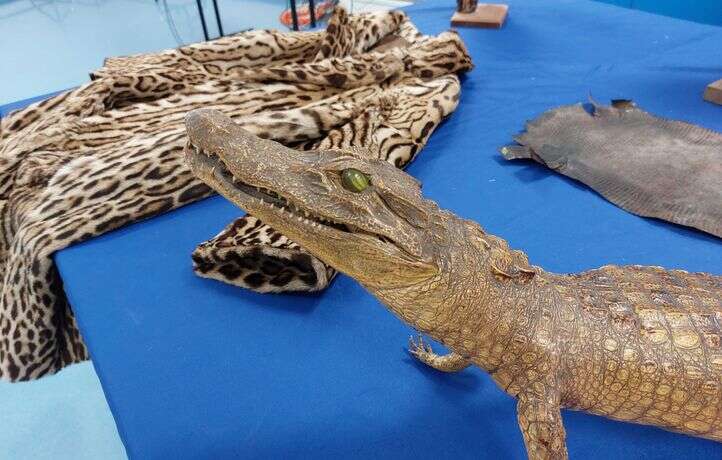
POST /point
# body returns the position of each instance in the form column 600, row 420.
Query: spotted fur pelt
column 110, row 152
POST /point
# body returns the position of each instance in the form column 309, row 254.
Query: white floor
column 50, row 45
column 64, row 416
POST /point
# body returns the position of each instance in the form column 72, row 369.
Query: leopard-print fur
column 252, row 253
column 110, row 152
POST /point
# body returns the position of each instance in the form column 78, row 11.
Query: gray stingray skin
column 647, row 165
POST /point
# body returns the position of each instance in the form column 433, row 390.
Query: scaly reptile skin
column 633, row 343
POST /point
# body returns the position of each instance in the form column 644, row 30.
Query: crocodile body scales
column 648, row 346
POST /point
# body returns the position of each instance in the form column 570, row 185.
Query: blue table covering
column 193, row 368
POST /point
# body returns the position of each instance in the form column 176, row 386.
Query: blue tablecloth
column 193, row 368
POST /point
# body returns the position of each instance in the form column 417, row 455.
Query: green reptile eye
column 354, row 180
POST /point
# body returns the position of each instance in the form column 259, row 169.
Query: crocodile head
column 364, row 217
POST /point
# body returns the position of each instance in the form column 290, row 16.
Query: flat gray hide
column 650, row 166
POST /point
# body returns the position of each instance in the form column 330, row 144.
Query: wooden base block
column 487, row 15
column 713, row 93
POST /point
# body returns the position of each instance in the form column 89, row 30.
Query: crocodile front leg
column 450, row 362
column 541, row 424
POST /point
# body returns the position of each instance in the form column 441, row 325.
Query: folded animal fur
column 111, row 151
column 250, row 254
column 648, row 165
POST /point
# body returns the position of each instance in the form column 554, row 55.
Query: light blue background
column 64, row 416
column 49, row 45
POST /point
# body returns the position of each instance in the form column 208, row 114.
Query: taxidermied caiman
column 634, row 343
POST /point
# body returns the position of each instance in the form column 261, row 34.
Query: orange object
column 304, row 14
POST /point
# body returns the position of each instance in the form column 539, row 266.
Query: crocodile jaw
column 245, row 169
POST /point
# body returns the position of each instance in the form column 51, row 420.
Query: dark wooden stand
column 486, row 15
column 713, row 93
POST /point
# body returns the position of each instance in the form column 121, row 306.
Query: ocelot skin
column 110, row 152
